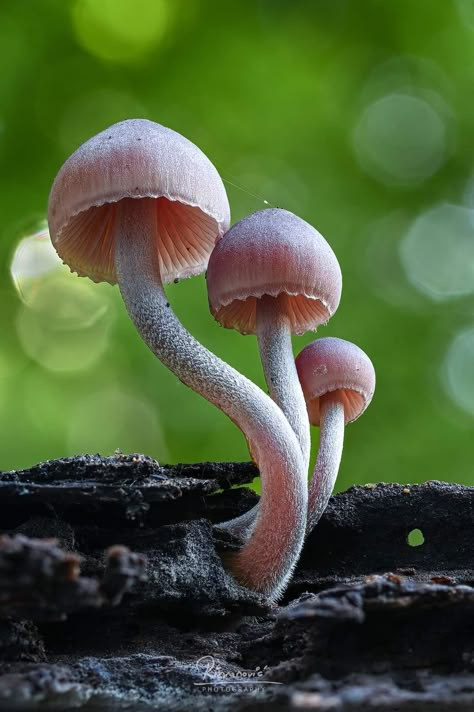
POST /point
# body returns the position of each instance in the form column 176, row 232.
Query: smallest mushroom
column 338, row 382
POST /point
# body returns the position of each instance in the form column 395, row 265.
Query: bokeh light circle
column 438, row 252
column 380, row 263
column 119, row 30
column 458, row 370
column 66, row 327
column 33, row 259
column 400, row 140
column 64, row 321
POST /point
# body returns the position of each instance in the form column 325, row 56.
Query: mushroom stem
column 276, row 352
column 241, row 526
column 266, row 561
column 331, row 442
column 278, row 361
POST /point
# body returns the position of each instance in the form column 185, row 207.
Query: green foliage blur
column 356, row 115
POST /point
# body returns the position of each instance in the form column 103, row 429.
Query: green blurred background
column 357, row 115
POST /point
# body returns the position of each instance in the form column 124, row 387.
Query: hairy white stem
column 266, row 561
column 331, row 442
column 276, row 353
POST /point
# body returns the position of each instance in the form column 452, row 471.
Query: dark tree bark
column 113, row 595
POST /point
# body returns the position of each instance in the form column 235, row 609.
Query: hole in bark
column 415, row 538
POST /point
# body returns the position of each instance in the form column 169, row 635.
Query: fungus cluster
column 140, row 206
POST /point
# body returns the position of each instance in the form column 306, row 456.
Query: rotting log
column 113, row 595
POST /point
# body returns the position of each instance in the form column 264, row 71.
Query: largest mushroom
column 140, row 205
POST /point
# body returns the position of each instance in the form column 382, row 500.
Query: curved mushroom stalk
column 242, row 526
column 266, row 561
column 331, row 445
column 274, row 339
column 276, row 351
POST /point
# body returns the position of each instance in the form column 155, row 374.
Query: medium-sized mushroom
column 140, row 205
column 338, row 381
column 272, row 274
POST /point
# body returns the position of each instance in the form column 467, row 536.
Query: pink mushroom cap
column 137, row 159
column 330, row 364
column 273, row 252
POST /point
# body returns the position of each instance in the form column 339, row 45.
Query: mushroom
column 338, row 381
column 140, row 205
column 274, row 275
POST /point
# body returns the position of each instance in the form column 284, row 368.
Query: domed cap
column 273, row 252
column 137, row 159
column 329, row 365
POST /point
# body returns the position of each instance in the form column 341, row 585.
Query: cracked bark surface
column 113, row 595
